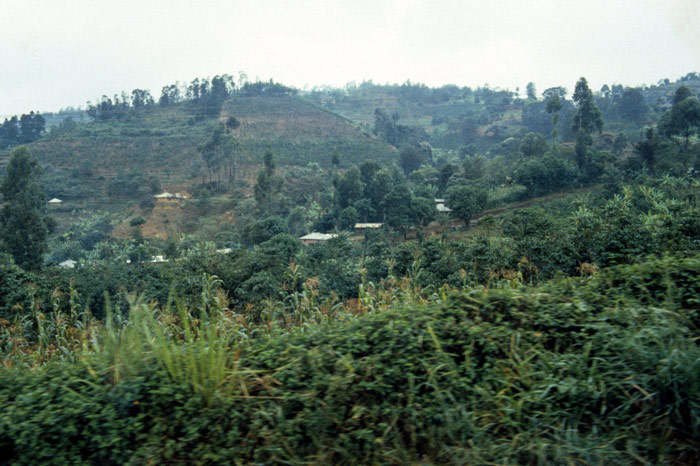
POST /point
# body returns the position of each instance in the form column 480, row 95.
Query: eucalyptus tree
column 587, row 120
column 24, row 222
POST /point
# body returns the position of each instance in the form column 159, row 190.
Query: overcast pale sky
column 58, row 53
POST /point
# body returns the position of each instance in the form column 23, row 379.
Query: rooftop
column 318, row 236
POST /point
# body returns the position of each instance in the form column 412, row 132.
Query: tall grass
column 581, row 371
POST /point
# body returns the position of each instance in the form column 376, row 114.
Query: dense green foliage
column 24, row 224
column 549, row 315
column 27, row 128
column 592, row 370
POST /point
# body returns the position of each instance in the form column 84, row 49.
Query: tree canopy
column 24, row 224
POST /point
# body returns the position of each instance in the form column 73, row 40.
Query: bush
column 147, row 202
column 136, row 221
column 545, row 175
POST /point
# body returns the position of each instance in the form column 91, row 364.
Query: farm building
column 441, row 207
column 170, row 197
column 362, row 227
column 316, row 238
column 68, row 264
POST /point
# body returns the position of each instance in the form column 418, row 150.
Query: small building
column 316, row 238
column 441, row 207
column 170, row 197
column 158, row 260
column 362, row 227
column 55, row 201
column 68, row 264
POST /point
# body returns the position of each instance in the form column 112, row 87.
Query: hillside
column 162, row 142
column 452, row 116
column 299, row 132
column 547, row 316
column 109, row 165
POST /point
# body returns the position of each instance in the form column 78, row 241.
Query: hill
column 299, row 132
column 452, row 117
column 109, row 165
column 96, row 160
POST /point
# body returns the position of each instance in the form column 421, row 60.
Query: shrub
column 136, row 221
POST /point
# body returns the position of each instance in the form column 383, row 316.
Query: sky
column 55, row 54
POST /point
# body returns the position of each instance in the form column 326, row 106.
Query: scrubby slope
column 162, row 143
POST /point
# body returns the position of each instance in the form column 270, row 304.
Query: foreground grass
column 580, row 371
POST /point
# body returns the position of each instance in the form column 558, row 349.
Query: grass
column 579, row 371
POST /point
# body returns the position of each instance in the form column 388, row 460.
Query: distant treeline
column 26, row 128
column 205, row 95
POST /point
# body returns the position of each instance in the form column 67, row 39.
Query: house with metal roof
column 362, row 227
column 441, row 207
column 316, row 238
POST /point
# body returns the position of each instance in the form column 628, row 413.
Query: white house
column 68, row 264
column 316, row 237
column 441, row 207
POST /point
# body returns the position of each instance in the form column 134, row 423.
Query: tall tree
column 412, row 157
column 24, row 223
column 647, row 150
column 465, row 201
column 531, row 91
column 267, row 183
column 683, row 118
column 386, row 127
column 349, row 188
column 587, row 120
column 632, row 105
column 553, row 107
column 398, row 207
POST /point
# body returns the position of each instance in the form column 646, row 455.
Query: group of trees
column 204, row 95
column 221, row 153
column 683, row 119
column 388, row 128
column 403, row 196
column 25, row 129
column 118, row 106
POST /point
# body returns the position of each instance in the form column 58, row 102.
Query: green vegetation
column 583, row 369
column 531, row 297
column 24, row 225
column 27, row 128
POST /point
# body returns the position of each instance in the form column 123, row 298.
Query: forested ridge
column 530, row 295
